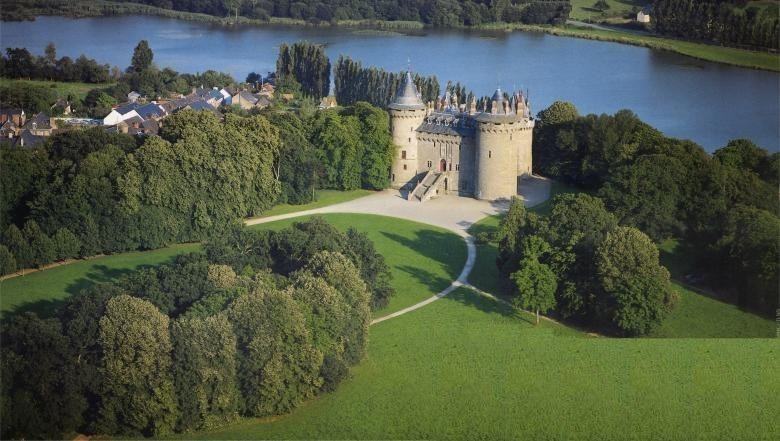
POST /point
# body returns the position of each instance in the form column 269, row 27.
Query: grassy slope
column 324, row 198
column 465, row 368
column 43, row 291
column 61, row 89
column 583, row 9
column 423, row 259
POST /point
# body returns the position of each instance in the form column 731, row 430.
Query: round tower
column 407, row 112
column 503, row 148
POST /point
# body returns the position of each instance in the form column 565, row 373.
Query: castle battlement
column 447, row 147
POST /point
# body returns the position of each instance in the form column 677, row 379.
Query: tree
column 7, row 261
column 66, row 244
column 601, row 5
column 278, row 366
column 646, row 194
column 559, row 112
column 138, row 393
column 19, row 247
column 508, row 236
column 142, row 57
column 41, row 245
column 204, row 371
column 637, row 294
column 253, row 78
column 536, row 286
column 40, row 390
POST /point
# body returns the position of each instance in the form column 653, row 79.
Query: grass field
column 466, row 367
column 423, row 259
column 61, row 89
column 324, row 198
column 584, row 10
column 43, row 291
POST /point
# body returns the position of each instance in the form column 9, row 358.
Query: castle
column 451, row 148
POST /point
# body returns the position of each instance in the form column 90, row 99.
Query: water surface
column 685, row 98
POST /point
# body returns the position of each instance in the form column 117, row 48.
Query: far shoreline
column 743, row 58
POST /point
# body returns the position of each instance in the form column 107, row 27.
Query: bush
column 483, row 238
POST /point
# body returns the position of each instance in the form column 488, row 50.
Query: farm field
column 61, row 89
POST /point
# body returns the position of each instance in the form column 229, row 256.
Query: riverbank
column 718, row 54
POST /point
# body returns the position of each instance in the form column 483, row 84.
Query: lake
column 706, row 102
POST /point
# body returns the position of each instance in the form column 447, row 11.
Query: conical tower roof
column 407, row 97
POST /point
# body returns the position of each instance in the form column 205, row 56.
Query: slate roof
column 407, row 97
column 127, row 108
column 28, row 140
column 446, row 123
column 40, row 120
column 248, row 97
column 150, row 111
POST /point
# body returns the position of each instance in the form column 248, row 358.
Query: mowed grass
column 584, row 10
column 423, row 259
column 324, row 198
column 465, row 367
column 61, row 89
column 44, row 291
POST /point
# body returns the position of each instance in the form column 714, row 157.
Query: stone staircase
column 426, row 188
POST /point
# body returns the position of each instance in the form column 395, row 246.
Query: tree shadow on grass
column 441, row 247
column 100, row 274
column 432, row 281
column 469, row 298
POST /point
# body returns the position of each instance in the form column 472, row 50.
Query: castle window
column 410, row 140
column 403, row 154
column 393, row 177
column 430, row 164
column 450, row 166
column 404, row 166
column 457, row 167
column 490, row 153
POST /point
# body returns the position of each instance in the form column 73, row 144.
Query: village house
column 133, row 96
column 327, row 102
column 17, row 116
column 39, row 125
column 9, row 130
column 643, row 16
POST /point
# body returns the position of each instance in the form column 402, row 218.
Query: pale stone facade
column 451, row 148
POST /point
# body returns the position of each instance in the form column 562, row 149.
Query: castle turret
column 503, row 149
column 407, row 112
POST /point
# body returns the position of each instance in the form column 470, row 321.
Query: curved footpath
column 456, row 214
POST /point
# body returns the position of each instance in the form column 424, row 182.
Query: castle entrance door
column 443, row 165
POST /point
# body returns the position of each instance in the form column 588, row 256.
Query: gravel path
column 453, row 213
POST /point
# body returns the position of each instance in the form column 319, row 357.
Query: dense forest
column 722, row 207
column 725, row 22
column 253, row 326
column 442, row 13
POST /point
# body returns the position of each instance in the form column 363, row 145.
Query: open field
column 324, row 198
column 61, row 89
column 423, row 259
column 584, row 10
column 466, row 367
column 43, row 291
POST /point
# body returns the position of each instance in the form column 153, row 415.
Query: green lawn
column 324, row 198
column 465, row 367
column 584, row 10
column 61, row 89
column 43, row 291
column 423, row 259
